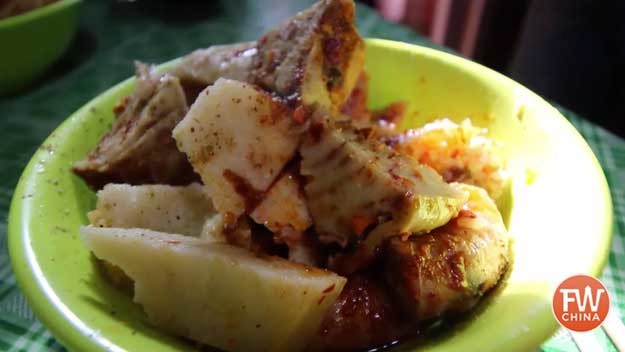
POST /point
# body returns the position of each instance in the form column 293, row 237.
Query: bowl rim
column 37, row 13
column 51, row 312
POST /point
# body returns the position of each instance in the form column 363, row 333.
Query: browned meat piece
column 139, row 148
column 314, row 57
column 362, row 317
column 449, row 269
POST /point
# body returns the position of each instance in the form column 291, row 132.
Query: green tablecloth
column 114, row 34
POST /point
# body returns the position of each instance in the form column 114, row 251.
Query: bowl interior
column 560, row 217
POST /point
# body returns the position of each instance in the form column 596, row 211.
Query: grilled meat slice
column 139, row 148
column 449, row 269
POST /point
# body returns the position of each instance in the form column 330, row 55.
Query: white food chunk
column 174, row 209
column 236, row 135
column 216, row 293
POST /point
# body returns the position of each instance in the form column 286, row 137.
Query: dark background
column 571, row 52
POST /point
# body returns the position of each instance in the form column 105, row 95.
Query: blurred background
column 571, row 52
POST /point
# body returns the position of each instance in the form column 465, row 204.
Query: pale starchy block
column 174, row 209
column 139, row 148
column 356, row 183
column 449, row 269
column 238, row 138
column 218, row 294
column 315, row 56
column 205, row 66
column 283, row 205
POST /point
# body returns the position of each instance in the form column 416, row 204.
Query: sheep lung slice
column 139, row 149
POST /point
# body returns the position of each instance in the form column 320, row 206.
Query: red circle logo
column 581, row 303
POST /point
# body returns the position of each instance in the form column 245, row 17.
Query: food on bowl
column 10, row 8
column 252, row 201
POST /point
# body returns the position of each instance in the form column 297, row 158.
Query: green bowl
column 33, row 41
column 561, row 218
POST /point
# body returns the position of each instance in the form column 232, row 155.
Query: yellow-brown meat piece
column 449, row 269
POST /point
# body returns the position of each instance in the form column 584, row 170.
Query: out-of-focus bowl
column 560, row 216
column 32, row 41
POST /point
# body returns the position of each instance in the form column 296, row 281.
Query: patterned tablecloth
column 113, row 34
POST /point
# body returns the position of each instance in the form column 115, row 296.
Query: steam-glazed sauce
column 364, row 317
column 251, row 196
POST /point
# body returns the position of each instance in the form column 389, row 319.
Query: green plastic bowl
column 33, row 41
column 561, row 218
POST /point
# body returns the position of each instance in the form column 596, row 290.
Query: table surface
column 114, row 33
